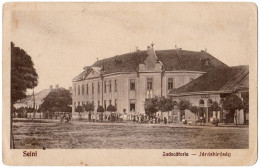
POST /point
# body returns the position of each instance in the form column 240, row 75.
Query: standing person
column 67, row 118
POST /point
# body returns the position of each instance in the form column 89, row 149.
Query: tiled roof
column 219, row 79
column 173, row 60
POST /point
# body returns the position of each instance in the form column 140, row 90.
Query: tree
column 23, row 77
column 194, row 110
column 151, row 106
column 100, row 109
column 183, row 105
column 232, row 103
column 215, row 106
column 89, row 107
column 58, row 100
column 111, row 108
column 165, row 104
column 79, row 109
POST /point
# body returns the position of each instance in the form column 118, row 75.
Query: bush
column 100, row 109
column 111, row 108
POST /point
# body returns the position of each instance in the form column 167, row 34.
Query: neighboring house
column 22, row 102
column 125, row 81
column 38, row 99
column 215, row 86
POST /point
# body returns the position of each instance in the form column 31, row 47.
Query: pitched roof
column 218, row 79
column 173, row 60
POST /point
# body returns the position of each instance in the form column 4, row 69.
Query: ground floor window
column 132, row 105
column 105, row 105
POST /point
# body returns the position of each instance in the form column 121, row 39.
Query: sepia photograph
column 173, row 77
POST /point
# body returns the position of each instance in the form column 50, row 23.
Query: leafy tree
column 111, row 108
column 58, row 100
column 89, row 106
column 100, row 109
column 194, row 110
column 183, row 105
column 79, row 109
column 232, row 103
column 23, row 74
column 23, row 77
column 165, row 104
column 246, row 102
column 151, row 106
column 215, row 106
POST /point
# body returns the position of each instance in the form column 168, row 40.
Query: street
column 85, row 135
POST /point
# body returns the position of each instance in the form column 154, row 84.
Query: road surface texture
column 85, row 135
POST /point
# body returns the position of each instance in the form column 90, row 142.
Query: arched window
column 209, row 102
column 201, row 102
column 221, row 102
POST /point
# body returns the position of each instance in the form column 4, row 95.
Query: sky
column 63, row 38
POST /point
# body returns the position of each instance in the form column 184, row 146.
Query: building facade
column 125, row 81
column 216, row 85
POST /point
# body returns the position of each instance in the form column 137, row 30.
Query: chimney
column 50, row 86
column 57, row 86
column 137, row 49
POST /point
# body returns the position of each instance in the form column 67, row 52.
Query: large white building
column 125, row 81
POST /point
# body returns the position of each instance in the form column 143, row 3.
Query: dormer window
column 205, row 61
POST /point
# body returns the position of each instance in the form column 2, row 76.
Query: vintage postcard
column 145, row 84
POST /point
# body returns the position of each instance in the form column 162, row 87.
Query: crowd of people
column 135, row 118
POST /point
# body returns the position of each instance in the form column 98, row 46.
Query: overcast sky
column 61, row 42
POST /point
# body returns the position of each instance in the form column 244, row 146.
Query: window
column 75, row 90
column 98, row 87
column 170, row 83
column 115, row 85
column 98, row 103
column 78, row 103
column 78, row 89
column 132, row 84
column 110, row 86
column 75, row 105
column 110, row 102
column 149, row 83
column 201, row 103
column 105, row 86
column 92, row 88
column 87, row 89
column 83, row 90
column 132, row 105
column 116, row 103
column 82, row 103
column 105, row 105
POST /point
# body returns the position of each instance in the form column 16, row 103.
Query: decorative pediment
column 93, row 72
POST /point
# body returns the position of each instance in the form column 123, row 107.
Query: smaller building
column 215, row 85
column 35, row 101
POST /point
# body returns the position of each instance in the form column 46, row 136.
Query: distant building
column 38, row 98
column 125, row 81
column 215, row 86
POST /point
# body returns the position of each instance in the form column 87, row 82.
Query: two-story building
column 125, row 81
